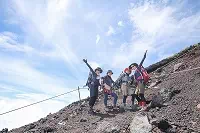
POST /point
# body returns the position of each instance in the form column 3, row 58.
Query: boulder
column 166, row 94
column 198, row 106
column 178, row 66
column 154, row 84
column 157, row 101
column 140, row 124
column 107, row 127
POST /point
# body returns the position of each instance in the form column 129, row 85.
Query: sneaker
column 123, row 105
column 144, row 108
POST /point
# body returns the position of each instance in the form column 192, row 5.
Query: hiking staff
column 93, row 83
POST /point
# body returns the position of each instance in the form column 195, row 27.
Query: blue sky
column 43, row 42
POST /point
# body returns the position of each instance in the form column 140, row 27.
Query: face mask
column 98, row 77
column 133, row 71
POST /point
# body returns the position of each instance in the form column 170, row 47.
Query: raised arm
column 84, row 60
column 145, row 54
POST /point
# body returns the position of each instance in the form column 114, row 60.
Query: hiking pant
column 114, row 95
column 140, row 91
column 140, row 88
column 92, row 101
column 124, row 89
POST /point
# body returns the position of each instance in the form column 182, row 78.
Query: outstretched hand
column 145, row 54
column 85, row 60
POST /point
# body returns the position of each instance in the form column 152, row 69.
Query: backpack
column 145, row 74
column 89, row 80
column 118, row 82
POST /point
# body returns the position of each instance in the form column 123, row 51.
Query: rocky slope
column 173, row 95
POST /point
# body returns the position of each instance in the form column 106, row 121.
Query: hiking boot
column 115, row 107
column 91, row 111
column 144, row 107
column 122, row 105
column 134, row 107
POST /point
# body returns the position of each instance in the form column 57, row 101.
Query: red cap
column 127, row 69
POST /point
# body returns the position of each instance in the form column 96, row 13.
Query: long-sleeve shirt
column 108, row 80
column 138, row 74
column 93, row 78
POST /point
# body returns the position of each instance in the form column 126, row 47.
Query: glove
column 85, row 60
column 145, row 54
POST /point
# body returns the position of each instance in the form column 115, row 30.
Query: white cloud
column 8, row 42
column 158, row 27
column 120, row 23
column 23, row 74
column 110, row 31
column 97, row 39
column 94, row 64
column 46, row 23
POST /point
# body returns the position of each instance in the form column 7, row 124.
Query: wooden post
column 79, row 93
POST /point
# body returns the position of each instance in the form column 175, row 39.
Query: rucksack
column 89, row 80
column 118, row 82
column 145, row 75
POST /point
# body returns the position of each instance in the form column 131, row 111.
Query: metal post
column 79, row 93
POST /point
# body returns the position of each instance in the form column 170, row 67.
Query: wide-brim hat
column 109, row 71
column 98, row 69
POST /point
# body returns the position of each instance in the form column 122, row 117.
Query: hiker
column 107, row 85
column 140, row 80
column 93, row 83
column 125, row 81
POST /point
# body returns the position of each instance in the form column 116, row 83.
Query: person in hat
column 140, row 79
column 93, row 83
column 125, row 81
column 107, row 85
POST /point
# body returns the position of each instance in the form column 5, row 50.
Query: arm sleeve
column 142, row 61
column 90, row 68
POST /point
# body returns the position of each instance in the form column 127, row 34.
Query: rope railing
column 44, row 100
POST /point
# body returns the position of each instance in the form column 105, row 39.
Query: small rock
column 140, row 124
column 43, row 120
column 97, row 110
column 83, row 120
column 30, row 126
column 48, row 129
column 107, row 127
column 166, row 94
column 198, row 106
column 153, row 121
column 154, row 84
column 62, row 123
column 159, row 70
column 177, row 66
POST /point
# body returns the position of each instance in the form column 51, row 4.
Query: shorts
column 124, row 89
column 127, row 90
